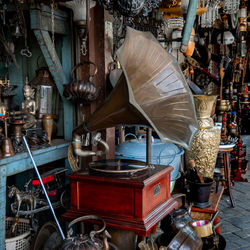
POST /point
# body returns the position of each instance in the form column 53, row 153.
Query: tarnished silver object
column 174, row 23
column 207, row 19
column 87, row 242
column 47, row 96
column 231, row 6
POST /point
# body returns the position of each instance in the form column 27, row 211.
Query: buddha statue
column 29, row 106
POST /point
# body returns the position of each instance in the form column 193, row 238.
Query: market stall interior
column 132, row 113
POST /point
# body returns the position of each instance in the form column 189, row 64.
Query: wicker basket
column 22, row 237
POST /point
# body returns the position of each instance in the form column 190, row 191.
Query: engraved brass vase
column 205, row 145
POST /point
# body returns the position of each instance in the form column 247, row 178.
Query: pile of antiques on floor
column 179, row 100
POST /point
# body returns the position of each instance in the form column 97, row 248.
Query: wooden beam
column 41, row 19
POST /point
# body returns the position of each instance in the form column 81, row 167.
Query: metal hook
column 26, row 52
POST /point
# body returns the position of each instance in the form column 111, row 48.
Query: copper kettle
column 81, row 90
column 87, row 242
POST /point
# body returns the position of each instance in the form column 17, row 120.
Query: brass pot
column 205, row 145
column 223, row 106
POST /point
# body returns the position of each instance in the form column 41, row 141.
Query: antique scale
column 152, row 91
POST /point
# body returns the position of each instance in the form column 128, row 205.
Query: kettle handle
column 131, row 135
column 81, row 64
column 84, row 218
column 142, row 136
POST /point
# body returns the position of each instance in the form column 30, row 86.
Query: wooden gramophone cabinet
column 134, row 203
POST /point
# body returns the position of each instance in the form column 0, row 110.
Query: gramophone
column 152, row 91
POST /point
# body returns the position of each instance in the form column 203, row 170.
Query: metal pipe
column 44, row 190
column 77, row 146
column 190, row 18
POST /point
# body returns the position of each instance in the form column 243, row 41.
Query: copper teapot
column 87, row 242
column 81, row 90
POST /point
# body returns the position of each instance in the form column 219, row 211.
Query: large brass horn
column 151, row 91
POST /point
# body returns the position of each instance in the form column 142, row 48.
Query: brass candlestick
column 48, row 125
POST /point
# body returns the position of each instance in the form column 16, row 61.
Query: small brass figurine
column 29, row 106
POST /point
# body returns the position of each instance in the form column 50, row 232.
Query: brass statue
column 29, row 106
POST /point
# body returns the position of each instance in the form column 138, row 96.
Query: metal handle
column 84, row 218
column 81, row 64
column 131, row 135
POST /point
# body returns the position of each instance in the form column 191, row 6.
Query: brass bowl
column 223, row 105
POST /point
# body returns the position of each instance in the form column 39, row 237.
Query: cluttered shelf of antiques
column 178, row 123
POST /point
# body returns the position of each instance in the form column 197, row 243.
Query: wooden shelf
column 22, row 162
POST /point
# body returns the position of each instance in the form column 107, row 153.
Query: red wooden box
column 135, row 203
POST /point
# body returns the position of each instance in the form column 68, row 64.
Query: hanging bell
column 17, row 33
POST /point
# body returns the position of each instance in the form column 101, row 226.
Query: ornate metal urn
column 205, row 145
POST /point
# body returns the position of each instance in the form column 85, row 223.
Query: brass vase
column 48, row 125
column 205, row 145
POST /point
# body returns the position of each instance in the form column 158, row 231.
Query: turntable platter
column 118, row 166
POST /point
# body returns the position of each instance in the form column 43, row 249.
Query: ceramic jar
column 205, row 145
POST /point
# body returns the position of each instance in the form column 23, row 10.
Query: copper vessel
column 81, row 90
column 205, row 145
column 48, row 125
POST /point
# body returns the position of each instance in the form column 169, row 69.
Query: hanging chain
column 85, row 37
column 21, row 21
column 84, row 46
column 53, row 28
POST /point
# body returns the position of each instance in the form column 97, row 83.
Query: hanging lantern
column 47, row 96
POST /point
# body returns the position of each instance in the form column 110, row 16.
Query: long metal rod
column 44, row 190
column 149, row 146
